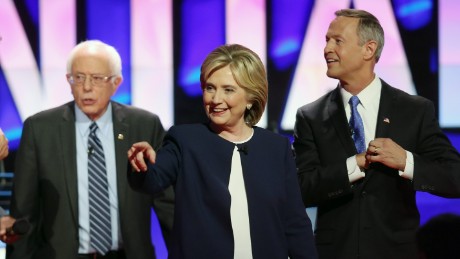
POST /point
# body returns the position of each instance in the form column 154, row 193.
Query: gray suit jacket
column 45, row 184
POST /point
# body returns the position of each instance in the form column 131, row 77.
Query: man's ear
column 118, row 80
column 370, row 48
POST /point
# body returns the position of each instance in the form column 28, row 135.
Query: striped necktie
column 356, row 124
column 99, row 204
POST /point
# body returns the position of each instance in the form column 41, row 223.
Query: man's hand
column 387, row 152
column 361, row 160
column 6, row 224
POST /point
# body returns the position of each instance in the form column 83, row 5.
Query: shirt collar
column 368, row 97
column 83, row 122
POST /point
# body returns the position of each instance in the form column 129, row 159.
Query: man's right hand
column 6, row 234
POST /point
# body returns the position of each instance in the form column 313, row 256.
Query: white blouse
column 239, row 207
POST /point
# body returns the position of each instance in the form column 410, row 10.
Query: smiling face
column 224, row 101
column 91, row 98
column 344, row 56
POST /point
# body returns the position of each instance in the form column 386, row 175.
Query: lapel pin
column 386, row 120
column 121, row 137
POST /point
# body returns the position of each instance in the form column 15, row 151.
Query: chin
column 332, row 74
column 91, row 113
column 216, row 122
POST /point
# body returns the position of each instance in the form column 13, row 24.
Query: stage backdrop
column 163, row 43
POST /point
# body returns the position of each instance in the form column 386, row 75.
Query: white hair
column 97, row 45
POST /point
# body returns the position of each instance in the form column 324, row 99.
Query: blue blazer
column 197, row 162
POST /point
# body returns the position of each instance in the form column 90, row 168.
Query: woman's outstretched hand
column 138, row 153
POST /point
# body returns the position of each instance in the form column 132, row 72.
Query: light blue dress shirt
column 105, row 134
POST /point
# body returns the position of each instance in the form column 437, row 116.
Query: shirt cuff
column 354, row 172
column 408, row 172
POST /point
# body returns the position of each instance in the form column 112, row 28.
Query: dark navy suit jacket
column 376, row 217
column 198, row 162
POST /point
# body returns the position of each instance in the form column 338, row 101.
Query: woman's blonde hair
column 248, row 72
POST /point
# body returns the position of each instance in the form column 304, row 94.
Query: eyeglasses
column 80, row 79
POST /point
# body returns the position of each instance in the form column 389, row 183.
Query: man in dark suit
column 365, row 189
column 52, row 184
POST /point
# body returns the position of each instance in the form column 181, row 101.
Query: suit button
column 363, row 194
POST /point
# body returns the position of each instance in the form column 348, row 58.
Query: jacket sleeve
column 436, row 161
column 299, row 231
column 25, row 199
column 323, row 174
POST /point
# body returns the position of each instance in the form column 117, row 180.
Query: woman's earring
column 248, row 106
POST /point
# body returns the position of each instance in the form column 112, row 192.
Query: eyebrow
column 223, row 86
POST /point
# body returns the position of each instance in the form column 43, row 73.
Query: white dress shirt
column 368, row 108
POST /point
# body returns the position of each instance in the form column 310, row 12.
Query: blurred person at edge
column 439, row 237
column 6, row 221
